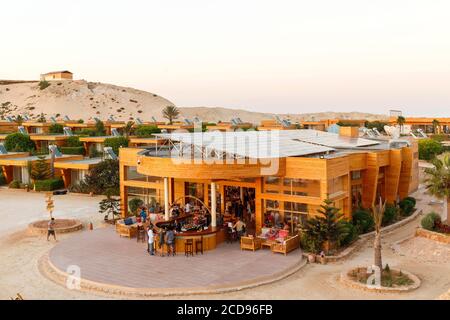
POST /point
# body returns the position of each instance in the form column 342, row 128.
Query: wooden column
column 213, row 205
column 392, row 175
column 166, row 199
column 123, row 191
column 258, row 205
column 8, row 173
column 370, row 180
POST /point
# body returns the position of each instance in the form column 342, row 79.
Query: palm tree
column 19, row 120
column 378, row 213
column 170, row 113
column 401, row 121
column 438, row 181
column 128, row 129
column 435, row 126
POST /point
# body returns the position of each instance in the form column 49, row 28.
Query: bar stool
column 140, row 235
column 189, row 247
column 199, row 245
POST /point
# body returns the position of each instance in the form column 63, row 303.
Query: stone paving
column 104, row 257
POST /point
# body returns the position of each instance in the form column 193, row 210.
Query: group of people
column 274, row 219
column 165, row 236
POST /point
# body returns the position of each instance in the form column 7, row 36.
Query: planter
column 323, row 260
column 311, row 257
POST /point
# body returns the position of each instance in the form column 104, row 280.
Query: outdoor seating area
column 276, row 240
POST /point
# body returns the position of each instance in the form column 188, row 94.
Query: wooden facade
column 299, row 186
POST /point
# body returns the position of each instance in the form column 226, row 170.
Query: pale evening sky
column 275, row 56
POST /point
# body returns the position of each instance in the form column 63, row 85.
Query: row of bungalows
column 428, row 125
column 15, row 166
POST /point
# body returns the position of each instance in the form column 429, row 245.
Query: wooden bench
column 250, row 243
column 287, row 245
column 123, row 230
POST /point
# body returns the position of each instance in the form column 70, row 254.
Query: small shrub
column 412, row 199
column 407, row 206
column 116, row 143
column 44, row 84
column 73, row 141
column 19, row 142
column 430, row 220
column 390, row 214
column 429, row 148
column 145, row 131
column 363, row 221
column 15, row 184
column 73, row 150
column 48, row 184
column 2, row 179
column 351, row 233
column 56, row 128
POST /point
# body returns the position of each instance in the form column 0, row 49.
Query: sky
column 269, row 56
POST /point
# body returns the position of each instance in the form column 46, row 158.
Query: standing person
column 50, row 229
column 170, row 240
column 187, row 208
column 151, row 238
column 143, row 215
column 161, row 241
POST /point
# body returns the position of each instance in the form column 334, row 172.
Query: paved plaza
column 104, row 257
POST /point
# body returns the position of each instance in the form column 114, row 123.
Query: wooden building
column 304, row 168
column 57, row 75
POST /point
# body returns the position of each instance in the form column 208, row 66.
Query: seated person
column 239, row 226
column 151, row 210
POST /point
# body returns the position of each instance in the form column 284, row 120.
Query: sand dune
column 85, row 100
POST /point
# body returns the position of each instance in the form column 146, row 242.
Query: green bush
column 412, row 199
column 134, row 204
column 73, row 141
column 44, row 84
column 15, row 184
column 73, row 150
column 390, row 214
column 115, row 143
column 429, row 148
column 363, row 221
column 56, row 128
column 146, row 131
column 430, row 220
column 48, row 184
column 352, row 233
column 407, row 206
column 2, row 179
column 19, row 142
column 86, row 132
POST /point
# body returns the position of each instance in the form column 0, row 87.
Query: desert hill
column 80, row 99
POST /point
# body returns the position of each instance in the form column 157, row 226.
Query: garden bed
column 433, row 235
column 60, row 226
column 392, row 280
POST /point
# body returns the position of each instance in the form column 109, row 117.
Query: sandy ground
column 19, row 254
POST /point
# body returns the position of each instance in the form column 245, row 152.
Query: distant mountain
column 80, row 99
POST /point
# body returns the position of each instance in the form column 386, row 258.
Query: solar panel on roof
column 252, row 144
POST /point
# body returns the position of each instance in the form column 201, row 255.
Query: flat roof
column 268, row 144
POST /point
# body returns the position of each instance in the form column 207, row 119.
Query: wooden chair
column 287, row 245
column 189, row 247
column 199, row 245
column 250, row 243
column 140, row 234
